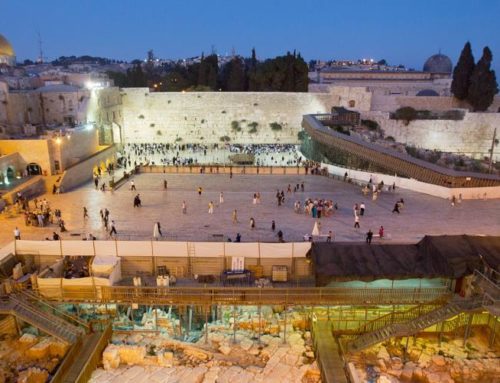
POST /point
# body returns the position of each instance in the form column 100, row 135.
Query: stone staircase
column 20, row 306
column 415, row 322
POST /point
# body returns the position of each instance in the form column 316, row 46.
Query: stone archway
column 33, row 169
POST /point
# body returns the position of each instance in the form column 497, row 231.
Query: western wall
column 203, row 117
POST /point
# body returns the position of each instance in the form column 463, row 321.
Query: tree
column 462, row 73
column 233, row 76
column 483, row 83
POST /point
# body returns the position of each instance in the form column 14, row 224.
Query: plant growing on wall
column 223, row 112
column 178, row 139
column 301, row 135
column 225, row 139
column 253, row 124
column 235, row 126
column 152, row 125
column 141, row 116
column 252, row 130
column 158, row 133
column 275, row 126
column 202, row 121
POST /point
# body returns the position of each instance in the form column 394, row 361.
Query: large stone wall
column 471, row 136
column 205, row 117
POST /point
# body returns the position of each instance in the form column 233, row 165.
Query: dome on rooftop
column 438, row 63
column 7, row 55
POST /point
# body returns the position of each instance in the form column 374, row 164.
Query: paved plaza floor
column 422, row 214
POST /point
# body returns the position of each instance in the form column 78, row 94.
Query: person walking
column 362, row 209
column 184, row 207
column 273, row 225
column 221, row 198
column 369, row 237
column 199, row 190
column 235, row 216
column 132, row 185
column 252, row 223
column 113, row 229
column 85, row 213
column 381, row 232
column 210, row 207
column 356, row 221
column 165, row 184
column 396, row 208
column 17, row 233
column 96, row 183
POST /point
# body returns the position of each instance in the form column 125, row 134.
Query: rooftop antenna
column 40, row 54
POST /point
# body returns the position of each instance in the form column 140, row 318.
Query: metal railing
column 94, row 359
column 245, row 296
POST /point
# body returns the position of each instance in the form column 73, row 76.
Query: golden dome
column 5, row 47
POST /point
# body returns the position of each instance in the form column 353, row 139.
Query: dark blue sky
column 401, row 31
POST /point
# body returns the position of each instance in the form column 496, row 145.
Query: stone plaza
column 421, row 215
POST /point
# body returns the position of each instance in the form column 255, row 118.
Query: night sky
column 400, row 31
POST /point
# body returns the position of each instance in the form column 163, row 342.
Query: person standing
column 329, row 237
column 165, row 184
column 17, row 233
column 184, row 207
column 369, row 237
column 85, row 213
column 96, row 183
column 221, row 198
column 273, row 225
column 254, row 199
column 210, row 207
column 381, row 232
column 235, row 216
column 132, row 185
column 113, row 229
column 356, row 221
column 157, row 231
column 199, row 190
column 252, row 223
column 362, row 209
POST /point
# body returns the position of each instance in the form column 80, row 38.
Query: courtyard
column 421, row 215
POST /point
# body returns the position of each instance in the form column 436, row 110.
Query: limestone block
column 418, row 375
column 211, row 375
column 438, row 360
column 33, row 375
column 28, row 339
column 383, row 354
column 132, row 354
column 396, row 363
column 57, row 348
column 310, row 354
column 195, row 375
column 382, row 365
column 307, row 335
column 39, row 350
column 225, row 349
column 246, row 344
column 162, row 375
column 165, row 359
column 111, row 357
column 298, row 349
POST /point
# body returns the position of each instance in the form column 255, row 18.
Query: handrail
column 70, row 317
column 246, row 295
column 92, row 362
column 493, row 288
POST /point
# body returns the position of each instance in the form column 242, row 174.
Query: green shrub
column 159, row 133
column 141, row 116
column 253, row 124
column 302, row 135
column 235, row 126
column 178, row 139
column 370, row 124
column 252, row 130
column 275, row 126
column 225, row 139
column 406, row 113
column 152, row 125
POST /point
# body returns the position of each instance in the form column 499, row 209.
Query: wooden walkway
column 328, row 354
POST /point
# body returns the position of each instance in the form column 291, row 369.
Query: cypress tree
column 462, row 73
column 483, row 83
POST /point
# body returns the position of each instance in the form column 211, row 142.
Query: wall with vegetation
column 241, row 117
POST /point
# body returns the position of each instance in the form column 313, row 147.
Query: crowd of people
column 134, row 154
